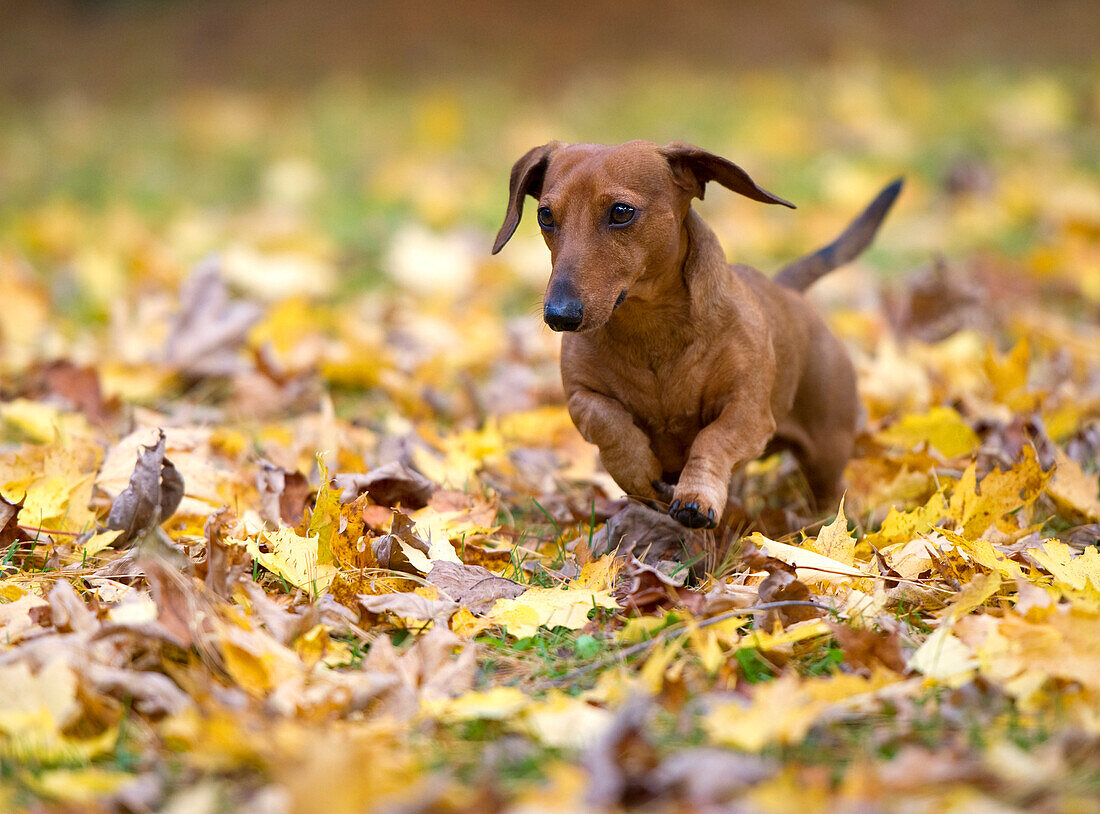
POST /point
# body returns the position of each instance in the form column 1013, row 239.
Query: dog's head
column 611, row 215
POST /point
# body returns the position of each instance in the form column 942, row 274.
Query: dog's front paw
column 694, row 513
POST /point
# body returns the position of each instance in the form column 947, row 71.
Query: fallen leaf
column 392, row 484
column 809, row 565
column 944, row 658
column 408, row 605
column 210, row 329
column 283, row 495
column 834, row 541
column 547, row 607
column 152, row 497
column 472, row 586
column 941, row 428
column 1074, row 491
column 292, row 557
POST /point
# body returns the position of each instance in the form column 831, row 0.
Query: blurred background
column 344, row 165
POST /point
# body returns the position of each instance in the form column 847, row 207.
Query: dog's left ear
column 693, row 167
column 526, row 179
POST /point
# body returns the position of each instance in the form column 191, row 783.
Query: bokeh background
column 345, row 166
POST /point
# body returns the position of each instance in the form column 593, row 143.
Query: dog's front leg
column 624, row 448
column 738, row 435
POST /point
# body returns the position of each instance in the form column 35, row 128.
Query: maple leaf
column 834, row 541
column 547, row 607
column 941, row 428
column 293, row 557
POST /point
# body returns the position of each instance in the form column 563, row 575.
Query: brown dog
column 679, row 367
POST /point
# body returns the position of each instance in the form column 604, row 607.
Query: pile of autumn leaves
column 197, row 611
column 177, row 612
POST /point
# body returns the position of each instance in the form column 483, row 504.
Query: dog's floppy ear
column 693, row 167
column 526, row 179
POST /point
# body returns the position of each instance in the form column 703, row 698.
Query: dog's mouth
column 568, row 317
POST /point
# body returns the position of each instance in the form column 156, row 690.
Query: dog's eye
column 546, row 217
column 621, row 214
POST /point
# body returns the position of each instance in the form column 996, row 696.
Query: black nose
column 563, row 313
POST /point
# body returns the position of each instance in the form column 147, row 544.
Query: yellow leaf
column 294, row 558
column 943, row 657
column 312, row 644
column 545, row 425
column 326, row 516
column 782, row 711
column 657, row 666
column 1073, row 490
column 809, row 565
column 641, row 628
column 1077, row 573
column 834, row 541
column 34, row 709
column 465, row 624
column 42, row 423
column 1008, row 375
column 598, row 575
column 976, row 509
column 79, row 785
column 983, row 553
column 900, row 527
column 941, row 428
column 1022, row 653
column 706, row 647
column 561, row 721
column 49, row 696
column 547, row 607
column 973, row 595
column 99, row 542
column 497, row 704
column 800, row 631
column 57, row 483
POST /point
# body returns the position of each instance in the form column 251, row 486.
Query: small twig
column 51, row 531
column 682, row 627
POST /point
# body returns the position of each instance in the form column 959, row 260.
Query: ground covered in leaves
column 294, row 518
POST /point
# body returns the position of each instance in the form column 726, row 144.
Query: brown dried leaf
column 210, row 330
column 409, row 605
column 649, row 535
column 428, row 669
column 387, row 549
column 866, row 648
column 392, row 484
column 472, row 586
column 68, row 611
column 10, row 532
column 155, row 491
column 621, row 762
column 706, row 777
column 225, row 563
column 284, row 495
column 781, row 585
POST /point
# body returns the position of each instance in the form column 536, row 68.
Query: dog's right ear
column 526, row 179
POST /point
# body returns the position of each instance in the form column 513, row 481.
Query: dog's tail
column 805, row 271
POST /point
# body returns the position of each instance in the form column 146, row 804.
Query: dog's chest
column 668, row 398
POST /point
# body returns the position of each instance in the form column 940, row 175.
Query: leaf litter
column 293, row 548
